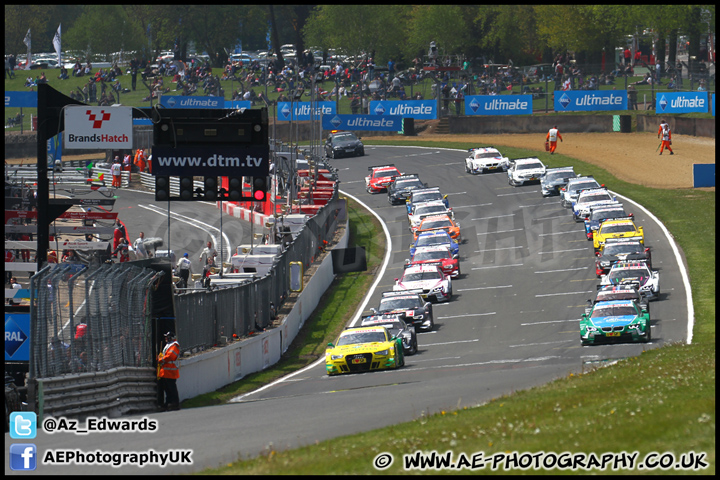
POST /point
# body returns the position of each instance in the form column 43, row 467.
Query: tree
column 103, row 29
column 446, row 25
column 510, row 32
column 358, row 30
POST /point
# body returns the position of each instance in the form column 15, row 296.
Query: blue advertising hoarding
column 498, row 105
column 681, row 102
column 17, row 337
column 703, row 175
column 179, row 101
column 287, row 111
column 54, row 149
column 418, row 109
column 20, row 99
column 362, row 122
column 237, row 104
column 590, row 100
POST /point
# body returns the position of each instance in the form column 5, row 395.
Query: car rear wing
column 400, row 293
column 478, row 148
column 406, row 176
column 380, row 166
column 437, row 264
column 609, row 241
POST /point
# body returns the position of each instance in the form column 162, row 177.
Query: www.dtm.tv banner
column 362, row 122
column 250, row 160
column 590, row 100
column 498, row 105
column 287, row 111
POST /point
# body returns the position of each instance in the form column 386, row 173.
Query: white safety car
column 522, row 170
column 485, row 159
column 428, row 280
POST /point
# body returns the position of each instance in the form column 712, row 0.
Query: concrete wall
column 699, row 127
column 209, row 371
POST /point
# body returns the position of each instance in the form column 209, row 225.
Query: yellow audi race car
column 361, row 349
column 617, row 228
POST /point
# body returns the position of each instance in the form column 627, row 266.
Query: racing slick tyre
column 401, row 356
column 369, row 190
column 413, row 348
column 648, row 337
column 467, row 169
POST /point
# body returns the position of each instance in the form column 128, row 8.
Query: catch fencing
column 90, row 319
column 204, row 317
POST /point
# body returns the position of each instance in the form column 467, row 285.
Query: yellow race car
column 617, row 228
column 361, row 349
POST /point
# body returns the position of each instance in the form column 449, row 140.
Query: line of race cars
column 620, row 311
column 623, row 263
column 389, row 331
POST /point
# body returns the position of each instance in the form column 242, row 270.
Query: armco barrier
column 206, row 372
column 112, row 393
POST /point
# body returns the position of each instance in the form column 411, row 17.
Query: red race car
column 380, row 177
column 437, row 255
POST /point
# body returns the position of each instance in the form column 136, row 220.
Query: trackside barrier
column 208, row 371
column 28, row 175
column 148, row 181
column 115, row 392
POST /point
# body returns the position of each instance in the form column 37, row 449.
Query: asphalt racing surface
column 527, row 272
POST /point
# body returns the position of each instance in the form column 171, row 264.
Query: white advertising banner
column 98, row 127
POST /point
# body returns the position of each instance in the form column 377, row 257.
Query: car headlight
column 634, row 326
column 383, row 352
column 591, row 329
column 604, row 264
column 336, row 357
column 438, row 289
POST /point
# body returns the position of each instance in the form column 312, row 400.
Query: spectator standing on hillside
column 632, row 97
column 627, row 55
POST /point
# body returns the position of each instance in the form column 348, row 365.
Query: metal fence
column 90, row 319
column 203, row 317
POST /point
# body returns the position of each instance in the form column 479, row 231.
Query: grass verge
column 661, row 401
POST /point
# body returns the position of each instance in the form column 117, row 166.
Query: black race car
column 409, row 306
column 619, row 249
column 397, row 328
column 399, row 190
column 343, row 144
